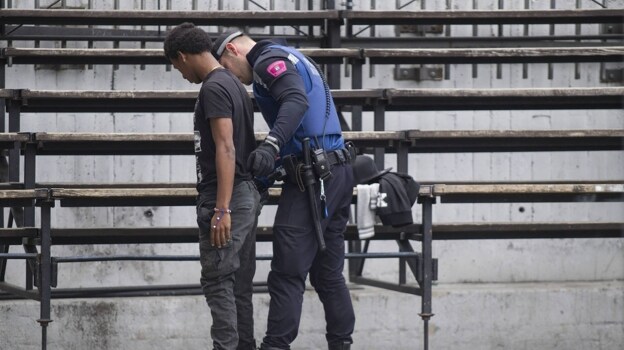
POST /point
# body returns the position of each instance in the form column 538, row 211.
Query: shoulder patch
column 276, row 68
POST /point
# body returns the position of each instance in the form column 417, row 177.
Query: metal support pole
column 356, row 83
column 349, row 28
column 402, row 154
column 379, row 126
column 29, row 211
column 3, row 161
column 2, row 86
column 310, row 27
column 427, row 266
column 29, row 181
column 45, row 265
column 499, row 67
column 553, row 6
column 333, row 41
column 14, row 153
column 354, row 264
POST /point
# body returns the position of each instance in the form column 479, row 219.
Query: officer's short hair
column 186, row 38
column 219, row 45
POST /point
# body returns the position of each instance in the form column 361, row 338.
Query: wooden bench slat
column 505, row 99
column 369, row 99
column 441, row 189
column 485, row 17
column 64, row 143
column 416, row 141
column 519, row 193
column 435, row 134
column 516, row 92
column 23, row 194
column 376, row 56
column 445, row 231
column 71, row 185
column 229, row 18
column 165, row 17
column 490, row 193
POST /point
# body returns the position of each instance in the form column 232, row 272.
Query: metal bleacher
column 24, row 147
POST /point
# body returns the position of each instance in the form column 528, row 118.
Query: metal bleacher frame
column 336, row 50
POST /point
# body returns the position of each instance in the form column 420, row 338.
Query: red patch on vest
column 276, row 68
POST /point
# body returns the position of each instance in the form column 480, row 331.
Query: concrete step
column 558, row 316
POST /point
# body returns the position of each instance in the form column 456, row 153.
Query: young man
column 227, row 204
column 297, row 104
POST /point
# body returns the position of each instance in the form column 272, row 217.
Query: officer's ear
column 232, row 49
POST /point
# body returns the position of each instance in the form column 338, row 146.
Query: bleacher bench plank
column 169, row 143
column 489, row 193
column 21, row 197
column 376, row 56
column 415, row 141
column 485, row 17
column 495, row 193
column 165, row 17
column 230, row 18
column 515, row 140
column 447, row 231
column 505, row 99
column 8, row 139
column 461, row 231
column 136, row 56
column 495, row 55
column 391, row 99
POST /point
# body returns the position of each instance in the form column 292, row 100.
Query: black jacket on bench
column 401, row 191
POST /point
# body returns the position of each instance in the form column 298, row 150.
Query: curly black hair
column 188, row 39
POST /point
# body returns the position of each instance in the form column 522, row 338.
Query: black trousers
column 295, row 254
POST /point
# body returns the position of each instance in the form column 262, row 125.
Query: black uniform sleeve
column 285, row 85
column 215, row 101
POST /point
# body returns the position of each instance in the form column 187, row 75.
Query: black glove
column 262, row 160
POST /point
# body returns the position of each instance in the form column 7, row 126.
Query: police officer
column 297, row 104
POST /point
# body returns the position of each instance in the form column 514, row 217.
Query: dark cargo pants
column 295, row 254
column 227, row 272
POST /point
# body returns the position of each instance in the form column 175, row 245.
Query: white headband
column 226, row 41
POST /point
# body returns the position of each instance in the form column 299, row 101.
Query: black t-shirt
column 222, row 96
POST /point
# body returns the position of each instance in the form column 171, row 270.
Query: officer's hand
column 262, row 160
column 262, row 184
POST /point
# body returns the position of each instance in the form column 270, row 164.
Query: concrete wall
column 467, row 316
column 486, row 289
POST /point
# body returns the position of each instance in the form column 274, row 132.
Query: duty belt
column 293, row 164
column 339, row 156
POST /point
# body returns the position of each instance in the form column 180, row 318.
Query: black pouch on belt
column 290, row 164
column 351, row 150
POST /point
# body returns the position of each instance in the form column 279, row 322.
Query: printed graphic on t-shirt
column 276, row 68
column 200, row 178
column 197, row 141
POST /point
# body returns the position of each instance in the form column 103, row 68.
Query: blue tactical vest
column 314, row 119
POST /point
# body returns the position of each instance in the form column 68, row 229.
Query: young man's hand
column 220, row 229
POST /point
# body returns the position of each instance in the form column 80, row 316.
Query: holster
column 297, row 172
